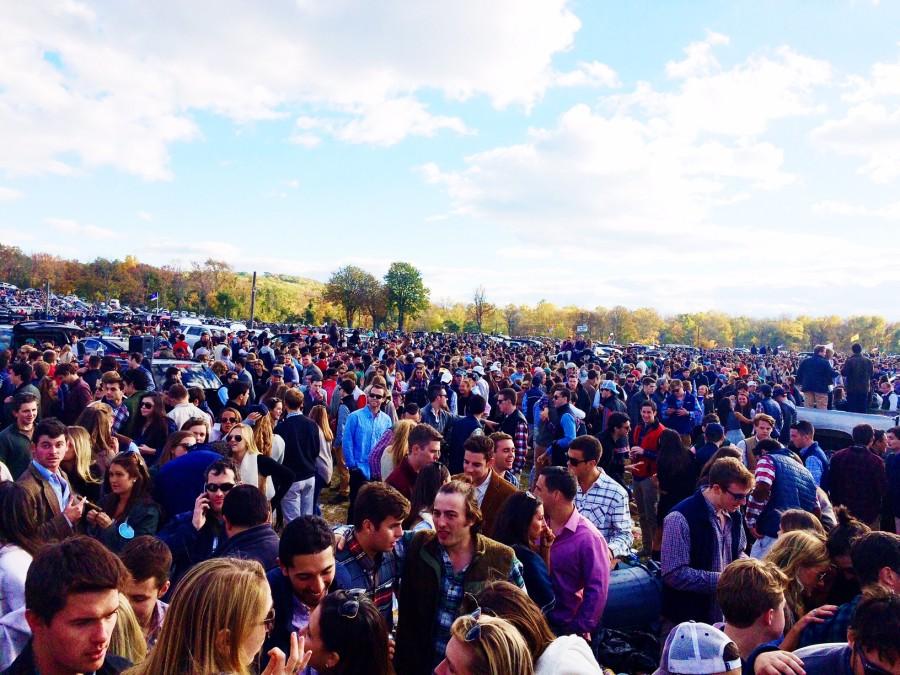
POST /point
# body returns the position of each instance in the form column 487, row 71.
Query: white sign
column 581, row 328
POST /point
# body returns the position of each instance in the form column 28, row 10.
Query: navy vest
column 678, row 605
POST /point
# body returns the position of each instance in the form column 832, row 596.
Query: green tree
column 406, row 293
column 309, row 316
column 348, row 288
column 226, row 303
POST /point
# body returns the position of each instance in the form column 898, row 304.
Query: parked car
column 193, row 374
column 37, row 333
column 834, row 428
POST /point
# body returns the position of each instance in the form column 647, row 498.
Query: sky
column 683, row 155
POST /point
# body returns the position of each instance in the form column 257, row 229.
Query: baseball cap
column 459, row 372
column 446, row 377
column 570, row 365
column 495, row 368
column 478, row 369
column 610, row 385
column 698, row 649
column 419, row 359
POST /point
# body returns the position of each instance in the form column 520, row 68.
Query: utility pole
column 47, row 311
column 252, row 301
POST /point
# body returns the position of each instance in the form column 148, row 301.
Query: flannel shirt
column 355, row 569
column 520, row 438
column 676, row 555
column 831, row 630
column 510, row 477
column 452, row 592
column 120, row 415
column 605, row 505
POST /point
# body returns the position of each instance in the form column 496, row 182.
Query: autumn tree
column 406, row 293
column 347, row 288
column 511, row 316
column 480, row 308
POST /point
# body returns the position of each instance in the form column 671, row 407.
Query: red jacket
column 649, row 441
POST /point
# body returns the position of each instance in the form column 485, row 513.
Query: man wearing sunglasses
column 363, row 429
column 701, row 535
column 194, row 535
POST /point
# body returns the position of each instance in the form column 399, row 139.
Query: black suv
column 36, row 333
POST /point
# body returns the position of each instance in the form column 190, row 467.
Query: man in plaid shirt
column 514, row 424
column 439, row 568
column 114, row 397
column 368, row 559
column 599, row 498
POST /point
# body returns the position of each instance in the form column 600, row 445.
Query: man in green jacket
column 15, row 440
column 439, row 568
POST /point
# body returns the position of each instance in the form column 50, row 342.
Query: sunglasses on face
column 229, row 420
column 147, row 405
column 376, row 397
column 269, row 622
column 236, row 438
column 215, row 487
column 739, row 496
column 574, row 461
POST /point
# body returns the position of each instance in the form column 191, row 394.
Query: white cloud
column 124, row 80
column 9, row 194
column 589, row 74
column 699, row 58
column 842, row 208
column 145, row 216
column 870, row 131
column 71, row 227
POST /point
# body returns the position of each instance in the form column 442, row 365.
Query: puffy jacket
column 794, row 488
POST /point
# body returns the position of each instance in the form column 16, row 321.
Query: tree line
column 401, row 300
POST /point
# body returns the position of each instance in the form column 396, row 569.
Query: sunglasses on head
column 349, row 609
column 215, row 487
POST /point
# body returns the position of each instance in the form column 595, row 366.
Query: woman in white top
column 18, row 543
column 255, row 468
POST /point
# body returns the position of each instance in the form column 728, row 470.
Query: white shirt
column 481, row 490
column 14, row 564
column 182, row 412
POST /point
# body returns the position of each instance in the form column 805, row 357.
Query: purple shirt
column 579, row 563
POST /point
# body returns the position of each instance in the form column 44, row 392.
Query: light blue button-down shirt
column 361, row 432
column 59, row 485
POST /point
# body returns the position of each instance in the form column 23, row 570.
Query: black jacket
column 24, row 664
column 259, row 542
column 301, row 445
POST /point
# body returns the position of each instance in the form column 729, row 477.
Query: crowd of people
column 491, row 490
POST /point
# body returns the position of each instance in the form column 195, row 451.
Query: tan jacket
column 54, row 525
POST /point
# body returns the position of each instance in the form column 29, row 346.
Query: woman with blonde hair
column 272, row 478
column 393, row 453
column 97, row 420
column 217, row 622
column 803, row 557
column 485, row 645
column 83, row 474
column 267, row 441
column 324, row 462
column 127, row 638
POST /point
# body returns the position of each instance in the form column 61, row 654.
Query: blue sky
column 737, row 156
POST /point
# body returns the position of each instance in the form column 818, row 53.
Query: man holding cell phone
column 193, row 536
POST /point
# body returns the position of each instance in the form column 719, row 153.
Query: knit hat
column 697, row 649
